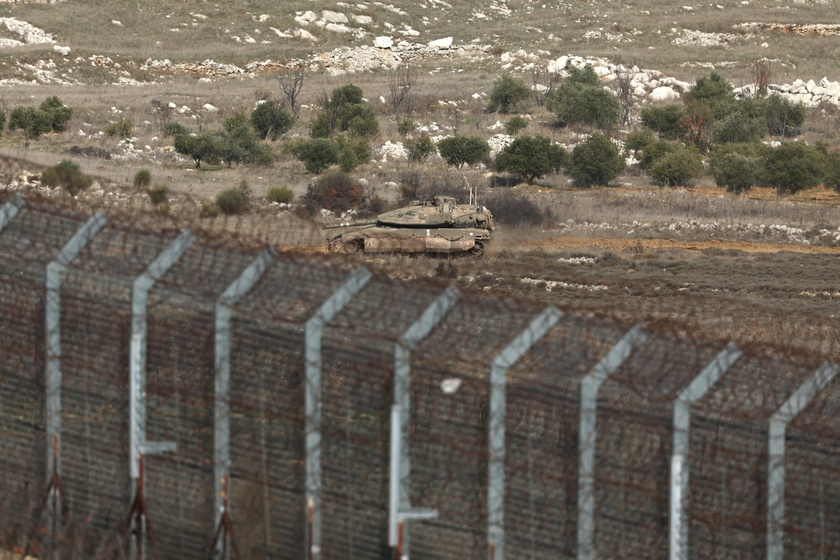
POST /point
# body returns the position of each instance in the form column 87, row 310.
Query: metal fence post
column 589, row 386
column 800, row 398
column 9, row 210
column 313, row 333
column 137, row 391
column 221, row 432
column 400, row 506
column 52, row 332
column 499, row 366
column 699, row 386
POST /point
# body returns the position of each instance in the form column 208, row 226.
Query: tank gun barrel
column 351, row 223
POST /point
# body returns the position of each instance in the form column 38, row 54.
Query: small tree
column 784, row 117
column 597, row 161
column 317, row 154
column 58, row 113
column 507, row 94
column 515, row 124
column 241, row 145
column 67, row 175
column 33, row 122
column 419, row 150
column 735, row 172
column 664, row 119
column 581, row 100
column 270, row 119
column 655, row 151
column 460, row 150
column 291, row 84
column 714, row 92
column 405, row 126
column 738, row 127
column 400, row 83
column 678, row 167
column 792, row 167
column 638, row 140
column 200, row 147
column 353, row 151
column 531, row 157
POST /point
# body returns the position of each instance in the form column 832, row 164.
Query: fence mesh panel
column 447, row 423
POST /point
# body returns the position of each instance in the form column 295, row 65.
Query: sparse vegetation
column 508, row 94
column 597, row 161
column 271, row 120
column 280, row 195
column 232, row 201
column 460, row 150
column 142, row 179
column 335, row 191
column 532, row 157
column 158, row 193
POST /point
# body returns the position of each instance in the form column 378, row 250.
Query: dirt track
column 622, row 245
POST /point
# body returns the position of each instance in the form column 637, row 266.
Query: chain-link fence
column 180, row 395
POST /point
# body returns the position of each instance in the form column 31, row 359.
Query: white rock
column 308, row 16
column 383, row 42
column 281, row 34
column 305, row 35
column 116, row 22
column 338, row 28
column 334, row 17
column 663, row 93
column 263, row 18
column 362, row 20
column 444, row 43
column 555, row 66
column 209, row 108
column 63, row 51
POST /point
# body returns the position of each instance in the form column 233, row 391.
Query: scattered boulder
column 663, row 94
column 445, row 43
column 383, row 42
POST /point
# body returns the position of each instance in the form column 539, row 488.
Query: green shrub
column 831, row 175
column 784, row 117
column 516, row 124
column 209, row 210
column 173, row 128
column 582, row 100
column 405, row 126
column 638, row 140
column 143, row 178
column 507, row 94
column 200, row 147
column 317, row 154
column 271, row 119
column 2, row 121
column 678, row 167
column 158, row 193
column 419, row 150
column 792, row 167
column 597, row 161
column 531, row 157
column 353, row 151
column 241, row 145
column 714, row 92
column 739, row 127
column 335, row 191
column 58, row 113
column 359, row 120
column 32, row 121
column 232, row 201
column 67, row 175
column 664, row 119
column 281, row 195
column 237, row 119
column 458, row 150
column 735, row 172
column 655, row 151
column 121, row 128
column 344, row 111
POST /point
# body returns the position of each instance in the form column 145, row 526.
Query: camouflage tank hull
column 383, row 239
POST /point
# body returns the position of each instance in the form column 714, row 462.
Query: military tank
column 435, row 225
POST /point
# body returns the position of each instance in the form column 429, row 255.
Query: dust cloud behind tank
column 435, row 225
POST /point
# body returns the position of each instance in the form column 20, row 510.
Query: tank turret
column 434, row 225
